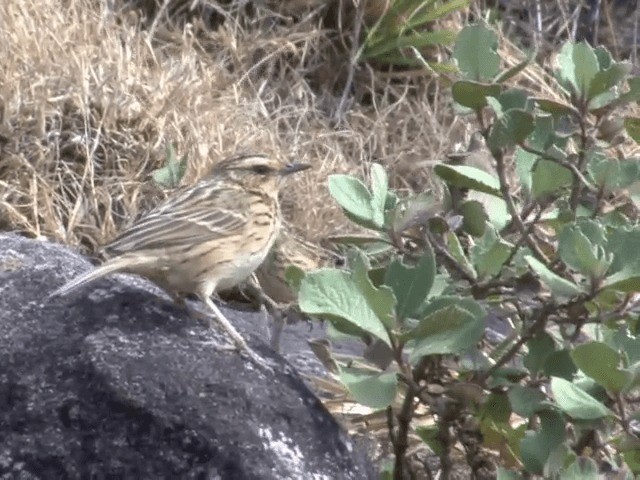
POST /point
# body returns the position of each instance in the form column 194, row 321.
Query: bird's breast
column 252, row 250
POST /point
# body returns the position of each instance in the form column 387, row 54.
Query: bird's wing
column 196, row 215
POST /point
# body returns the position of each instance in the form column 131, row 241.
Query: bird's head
column 256, row 171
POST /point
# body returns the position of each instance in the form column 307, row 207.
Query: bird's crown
column 252, row 165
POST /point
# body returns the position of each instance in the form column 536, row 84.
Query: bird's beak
column 293, row 168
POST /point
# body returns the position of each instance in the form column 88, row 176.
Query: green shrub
column 403, row 31
column 557, row 258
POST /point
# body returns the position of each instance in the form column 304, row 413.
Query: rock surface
column 115, row 381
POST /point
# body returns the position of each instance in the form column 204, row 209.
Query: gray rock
column 115, row 381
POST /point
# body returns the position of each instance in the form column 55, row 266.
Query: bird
column 206, row 238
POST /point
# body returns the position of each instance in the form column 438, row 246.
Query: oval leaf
column 605, row 371
column 559, row 286
column 474, row 94
column 446, row 331
column 353, row 196
column 375, row 390
column 411, row 285
column 577, row 403
column 344, row 298
column 472, row 178
column 476, row 53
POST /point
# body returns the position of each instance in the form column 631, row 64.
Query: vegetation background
column 92, row 92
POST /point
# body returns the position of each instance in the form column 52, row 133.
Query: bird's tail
column 121, row 264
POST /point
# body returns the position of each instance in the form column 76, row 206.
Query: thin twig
column 440, row 250
column 568, row 165
column 576, row 189
column 338, row 115
column 537, row 325
column 508, row 198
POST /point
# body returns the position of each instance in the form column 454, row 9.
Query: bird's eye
column 262, row 169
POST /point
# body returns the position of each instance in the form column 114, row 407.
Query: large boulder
column 115, row 381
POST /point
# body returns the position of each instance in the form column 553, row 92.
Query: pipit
column 207, row 238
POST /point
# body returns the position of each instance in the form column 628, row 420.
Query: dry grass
column 89, row 100
column 90, row 97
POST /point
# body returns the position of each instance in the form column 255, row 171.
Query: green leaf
column 453, row 243
column 525, row 401
column 386, row 470
column 474, row 217
column 440, row 11
column 451, row 330
column 353, row 196
column 605, row 172
column 356, row 240
column 606, row 100
column 578, row 66
column 381, row 300
column 516, row 69
column 411, row 285
column 540, row 348
column 348, row 300
column 585, row 67
column 375, row 390
column 631, row 456
column 632, row 126
column 576, row 402
column 603, row 80
column 462, row 176
column 494, row 207
column 541, row 139
column 476, row 53
column 626, row 280
column 416, row 210
column 496, row 407
column 560, row 364
column 633, row 95
column 559, row 458
column 473, row 94
column 379, row 189
column 581, row 469
column 294, row 275
column 490, row 253
column 431, row 437
column 605, row 370
column 577, row 251
column 629, row 172
column 170, row 175
column 384, row 45
column 549, row 177
column 604, row 57
column 623, row 243
column 553, row 106
column 536, row 447
column 515, row 99
column 438, row 303
column 623, row 341
column 504, row 474
column 559, row 286
column 512, row 128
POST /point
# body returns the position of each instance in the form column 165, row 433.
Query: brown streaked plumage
column 208, row 237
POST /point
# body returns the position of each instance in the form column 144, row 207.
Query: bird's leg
column 191, row 309
column 279, row 322
column 239, row 343
column 269, row 308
